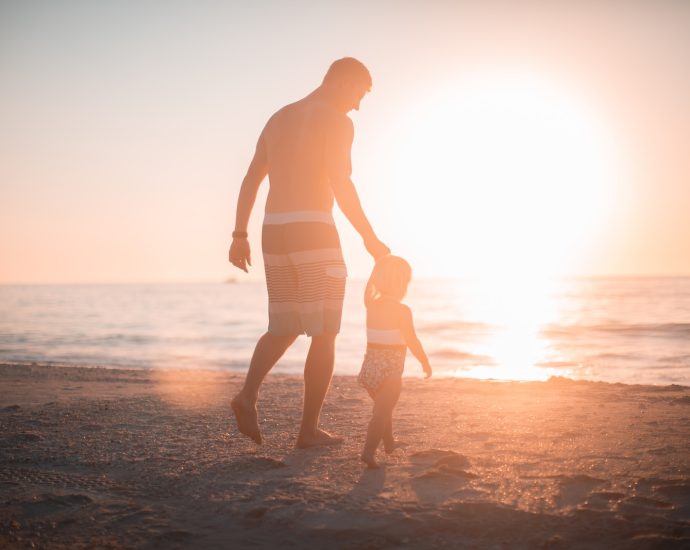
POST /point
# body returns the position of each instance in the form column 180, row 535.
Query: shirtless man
column 305, row 151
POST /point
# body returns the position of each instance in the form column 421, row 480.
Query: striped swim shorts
column 305, row 273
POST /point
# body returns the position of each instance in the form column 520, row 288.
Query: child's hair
column 390, row 276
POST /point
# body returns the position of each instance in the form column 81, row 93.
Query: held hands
column 240, row 254
column 426, row 367
column 376, row 248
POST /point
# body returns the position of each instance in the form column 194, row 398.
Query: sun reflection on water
column 520, row 308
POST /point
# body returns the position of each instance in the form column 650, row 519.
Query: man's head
column 347, row 82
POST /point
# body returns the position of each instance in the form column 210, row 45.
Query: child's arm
column 410, row 336
column 369, row 292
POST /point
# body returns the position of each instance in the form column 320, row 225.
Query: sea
column 617, row 329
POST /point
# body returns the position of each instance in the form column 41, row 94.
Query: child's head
column 390, row 277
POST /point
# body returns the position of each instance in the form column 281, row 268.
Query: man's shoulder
column 314, row 112
column 323, row 110
column 280, row 113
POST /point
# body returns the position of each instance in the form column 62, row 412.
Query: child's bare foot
column 390, row 446
column 369, row 460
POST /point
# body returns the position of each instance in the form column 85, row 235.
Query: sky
column 542, row 137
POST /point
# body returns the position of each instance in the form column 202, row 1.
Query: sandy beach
column 105, row 458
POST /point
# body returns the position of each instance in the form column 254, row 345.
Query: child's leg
column 389, row 442
column 384, row 403
column 388, row 439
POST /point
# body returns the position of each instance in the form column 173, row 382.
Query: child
column 390, row 332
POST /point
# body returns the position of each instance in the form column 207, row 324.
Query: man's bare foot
column 317, row 439
column 369, row 460
column 390, row 446
column 246, row 416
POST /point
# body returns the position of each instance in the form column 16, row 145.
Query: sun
column 507, row 180
column 503, row 173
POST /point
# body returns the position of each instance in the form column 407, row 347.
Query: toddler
column 390, row 332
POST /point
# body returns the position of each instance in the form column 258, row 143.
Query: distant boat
column 230, row 280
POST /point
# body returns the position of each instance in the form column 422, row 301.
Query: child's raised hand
column 427, row 370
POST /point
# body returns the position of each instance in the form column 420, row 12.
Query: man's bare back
column 306, row 144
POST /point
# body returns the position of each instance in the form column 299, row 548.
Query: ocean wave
column 461, row 326
column 683, row 359
column 462, row 356
column 673, row 330
column 557, row 365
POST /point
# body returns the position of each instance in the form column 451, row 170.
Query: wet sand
column 104, row 458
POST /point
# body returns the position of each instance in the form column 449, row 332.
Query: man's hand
column 376, row 248
column 240, row 255
column 426, row 367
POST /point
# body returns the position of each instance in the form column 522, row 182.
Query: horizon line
column 238, row 280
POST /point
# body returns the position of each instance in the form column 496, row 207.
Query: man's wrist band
column 240, row 234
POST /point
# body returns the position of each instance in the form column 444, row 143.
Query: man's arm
column 339, row 170
column 348, row 201
column 240, row 253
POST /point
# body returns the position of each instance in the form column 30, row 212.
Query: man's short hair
column 348, row 67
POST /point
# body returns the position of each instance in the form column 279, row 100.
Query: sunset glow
column 493, row 139
column 512, row 175
column 517, row 174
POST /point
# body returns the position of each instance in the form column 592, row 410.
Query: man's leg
column 269, row 349
column 318, row 371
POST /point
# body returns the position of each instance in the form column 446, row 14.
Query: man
column 305, row 150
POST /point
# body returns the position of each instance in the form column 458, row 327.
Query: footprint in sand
column 447, row 475
column 574, row 490
column 442, row 464
column 637, row 503
column 435, row 456
column 679, row 495
column 675, row 491
column 453, row 462
column 442, row 473
column 603, row 500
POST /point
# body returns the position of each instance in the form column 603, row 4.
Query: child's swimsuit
column 385, row 357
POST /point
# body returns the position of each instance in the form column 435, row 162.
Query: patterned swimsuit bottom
column 380, row 364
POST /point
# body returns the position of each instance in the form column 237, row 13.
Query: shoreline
column 232, row 373
column 108, row 457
